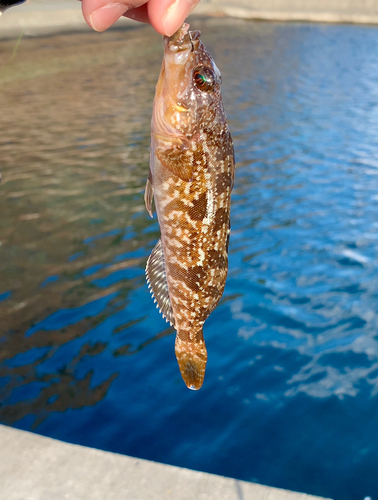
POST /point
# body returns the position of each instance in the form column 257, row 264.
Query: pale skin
column 165, row 16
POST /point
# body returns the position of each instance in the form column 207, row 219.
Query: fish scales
column 191, row 177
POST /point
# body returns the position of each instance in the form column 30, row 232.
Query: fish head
column 188, row 90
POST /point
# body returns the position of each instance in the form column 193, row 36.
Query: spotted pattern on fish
column 191, row 175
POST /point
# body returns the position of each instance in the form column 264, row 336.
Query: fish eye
column 204, row 78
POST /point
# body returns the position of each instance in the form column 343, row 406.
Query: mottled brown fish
column 191, row 176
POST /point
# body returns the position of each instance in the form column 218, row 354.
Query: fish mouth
column 181, row 37
column 192, row 359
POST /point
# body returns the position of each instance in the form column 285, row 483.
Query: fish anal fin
column 148, row 194
column 157, row 282
column 177, row 158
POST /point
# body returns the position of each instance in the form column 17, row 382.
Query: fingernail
column 103, row 18
column 174, row 17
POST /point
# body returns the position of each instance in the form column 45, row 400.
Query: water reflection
column 74, row 157
column 293, row 358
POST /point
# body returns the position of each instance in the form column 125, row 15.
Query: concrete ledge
column 324, row 11
column 33, row 467
column 295, row 15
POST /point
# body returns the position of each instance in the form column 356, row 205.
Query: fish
column 192, row 167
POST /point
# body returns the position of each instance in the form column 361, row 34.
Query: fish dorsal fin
column 178, row 158
column 148, row 195
column 157, row 282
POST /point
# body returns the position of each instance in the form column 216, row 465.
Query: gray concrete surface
column 42, row 17
column 334, row 11
column 33, row 467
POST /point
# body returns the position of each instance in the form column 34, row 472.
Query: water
column 290, row 397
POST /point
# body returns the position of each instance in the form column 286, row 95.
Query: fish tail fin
column 191, row 357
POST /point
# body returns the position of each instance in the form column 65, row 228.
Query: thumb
column 166, row 16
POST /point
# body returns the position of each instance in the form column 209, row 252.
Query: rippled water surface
column 291, row 392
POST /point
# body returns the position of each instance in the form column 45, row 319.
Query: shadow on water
column 290, row 396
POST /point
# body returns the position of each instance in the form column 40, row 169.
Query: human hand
column 166, row 16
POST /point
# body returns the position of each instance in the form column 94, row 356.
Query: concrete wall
column 352, row 11
column 338, row 6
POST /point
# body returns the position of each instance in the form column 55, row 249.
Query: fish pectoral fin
column 149, row 194
column 179, row 159
column 157, row 282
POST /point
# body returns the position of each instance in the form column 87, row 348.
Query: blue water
column 290, row 397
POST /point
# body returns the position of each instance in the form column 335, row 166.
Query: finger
column 101, row 14
column 166, row 16
column 139, row 14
